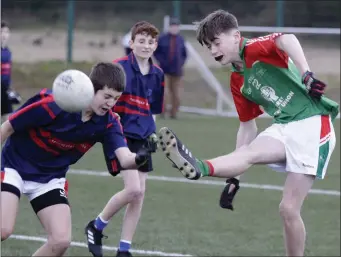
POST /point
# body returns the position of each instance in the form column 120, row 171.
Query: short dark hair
column 144, row 27
column 214, row 24
column 4, row 24
column 108, row 74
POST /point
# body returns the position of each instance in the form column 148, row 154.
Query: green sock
column 205, row 168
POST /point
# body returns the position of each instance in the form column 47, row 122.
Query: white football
column 73, row 91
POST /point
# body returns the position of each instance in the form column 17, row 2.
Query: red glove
column 314, row 86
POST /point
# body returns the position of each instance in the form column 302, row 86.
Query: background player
column 142, row 98
column 8, row 95
column 269, row 71
column 42, row 141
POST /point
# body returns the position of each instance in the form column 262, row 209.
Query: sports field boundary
column 204, row 182
column 105, row 247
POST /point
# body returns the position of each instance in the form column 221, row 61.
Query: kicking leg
column 296, row 189
column 56, row 220
column 262, row 150
column 132, row 215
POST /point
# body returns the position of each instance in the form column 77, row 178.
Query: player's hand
column 314, row 86
column 152, row 143
column 228, row 193
column 142, row 156
column 13, row 96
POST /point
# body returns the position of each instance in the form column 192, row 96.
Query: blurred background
column 49, row 36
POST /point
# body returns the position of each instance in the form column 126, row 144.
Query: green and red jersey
column 269, row 81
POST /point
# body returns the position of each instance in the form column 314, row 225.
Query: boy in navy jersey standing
column 42, row 141
column 137, row 107
column 8, row 96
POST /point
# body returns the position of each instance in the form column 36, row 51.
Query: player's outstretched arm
column 6, row 131
column 129, row 160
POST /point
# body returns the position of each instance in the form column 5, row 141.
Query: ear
column 237, row 36
column 155, row 45
column 131, row 44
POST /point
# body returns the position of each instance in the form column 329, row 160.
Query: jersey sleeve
column 156, row 105
column 38, row 111
column 113, row 138
column 264, row 49
column 246, row 109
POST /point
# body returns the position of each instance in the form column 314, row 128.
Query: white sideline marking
column 109, row 248
column 205, row 182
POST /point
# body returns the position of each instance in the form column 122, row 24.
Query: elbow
column 284, row 40
column 125, row 157
column 6, row 131
column 248, row 129
column 124, row 163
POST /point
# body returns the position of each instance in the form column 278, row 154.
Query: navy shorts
column 134, row 145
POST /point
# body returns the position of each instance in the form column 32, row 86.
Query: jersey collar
column 242, row 44
column 134, row 64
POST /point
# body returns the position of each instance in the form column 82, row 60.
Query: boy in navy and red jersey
column 140, row 102
column 42, row 141
column 8, row 96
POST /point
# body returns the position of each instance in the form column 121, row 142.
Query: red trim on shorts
column 114, row 165
column 66, row 187
column 210, row 167
column 2, row 176
column 325, row 126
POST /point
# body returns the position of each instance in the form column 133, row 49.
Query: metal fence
column 119, row 15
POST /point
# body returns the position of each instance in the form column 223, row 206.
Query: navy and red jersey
column 142, row 98
column 46, row 139
column 6, row 64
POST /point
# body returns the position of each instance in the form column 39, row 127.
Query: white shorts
column 309, row 143
column 41, row 195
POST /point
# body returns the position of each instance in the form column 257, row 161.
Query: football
column 73, row 91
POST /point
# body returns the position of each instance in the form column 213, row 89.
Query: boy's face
column 225, row 47
column 143, row 45
column 5, row 33
column 174, row 29
column 104, row 100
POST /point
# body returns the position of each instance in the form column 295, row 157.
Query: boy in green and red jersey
column 270, row 74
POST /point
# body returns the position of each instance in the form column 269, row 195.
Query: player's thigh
column 131, row 180
column 9, row 210
column 50, row 203
column 56, row 220
column 143, row 180
column 11, row 189
column 265, row 149
column 309, row 145
column 296, row 188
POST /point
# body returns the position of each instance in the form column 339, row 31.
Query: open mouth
column 104, row 109
column 219, row 58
